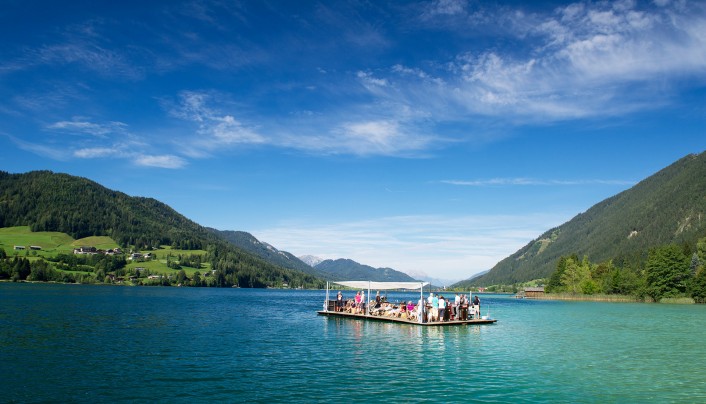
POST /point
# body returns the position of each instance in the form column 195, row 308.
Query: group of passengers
column 442, row 309
column 436, row 308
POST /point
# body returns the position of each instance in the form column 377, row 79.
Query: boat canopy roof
column 382, row 285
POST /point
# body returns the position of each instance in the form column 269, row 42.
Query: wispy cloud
column 215, row 129
column 99, row 152
column 583, row 60
column 138, row 158
column 79, row 45
column 106, row 140
column 89, row 55
column 79, row 125
column 448, row 247
column 44, row 150
column 504, row 65
column 533, row 182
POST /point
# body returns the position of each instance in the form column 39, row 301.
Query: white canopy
column 382, row 285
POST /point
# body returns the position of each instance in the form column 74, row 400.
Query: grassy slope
column 54, row 243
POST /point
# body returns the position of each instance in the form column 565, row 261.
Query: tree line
column 229, row 269
column 667, row 271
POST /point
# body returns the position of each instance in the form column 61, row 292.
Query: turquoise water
column 63, row 343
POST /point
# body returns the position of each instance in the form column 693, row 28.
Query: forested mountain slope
column 80, row 207
column 250, row 243
column 46, row 201
column 668, row 207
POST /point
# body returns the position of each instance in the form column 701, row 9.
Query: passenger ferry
column 410, row 313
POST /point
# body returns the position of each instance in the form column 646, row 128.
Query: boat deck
column 404, row 320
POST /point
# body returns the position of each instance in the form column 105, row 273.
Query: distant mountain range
column 310, row 260
column 668, row 207
column 340, row 269
column 349, row 270
column 249, row 243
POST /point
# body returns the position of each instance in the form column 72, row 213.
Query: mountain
column 349, row 270
column 79, row 207
column 310, row 260
column 248, row 242
column 47, row 201
column 668, row 207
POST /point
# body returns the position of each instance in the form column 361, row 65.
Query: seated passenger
column 413, row 314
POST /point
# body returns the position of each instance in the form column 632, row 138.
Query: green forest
column 668, row 272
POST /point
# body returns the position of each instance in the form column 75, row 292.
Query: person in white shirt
column 457, row 306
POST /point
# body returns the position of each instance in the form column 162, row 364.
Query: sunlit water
column 63, row 343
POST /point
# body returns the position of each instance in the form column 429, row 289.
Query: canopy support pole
column 366, row 305
column 421, row 303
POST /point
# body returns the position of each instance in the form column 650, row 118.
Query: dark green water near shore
column 62, row 343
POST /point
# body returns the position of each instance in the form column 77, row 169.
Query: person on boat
column 339, row 301
column 403, row 310
column 357, row 302
column 464, row 308
column 377, row 299
column 435, row 308
column 442, row 307
column 362, row 301
column 476, row 306
column 429, row 312
column 457, row 307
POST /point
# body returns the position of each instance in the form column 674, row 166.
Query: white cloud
column 375, row 137
column 227, row 130
column 161, row 161
column 363, row 138
column 446, row 247
column 97, row 152
column 369, row 81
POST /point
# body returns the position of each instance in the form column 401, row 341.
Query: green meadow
column 54, row 243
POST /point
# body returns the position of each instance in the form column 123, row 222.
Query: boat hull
column 405, row 321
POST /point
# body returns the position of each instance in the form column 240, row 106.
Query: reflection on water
column 98, row 343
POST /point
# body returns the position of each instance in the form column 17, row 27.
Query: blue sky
column 433, row 137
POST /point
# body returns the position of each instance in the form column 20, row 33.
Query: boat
column 373, row 313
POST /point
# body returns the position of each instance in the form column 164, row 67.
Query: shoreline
column 611, row 299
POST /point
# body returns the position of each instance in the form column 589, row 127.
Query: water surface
column 107, row 344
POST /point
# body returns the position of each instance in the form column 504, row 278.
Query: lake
column 84, row 343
